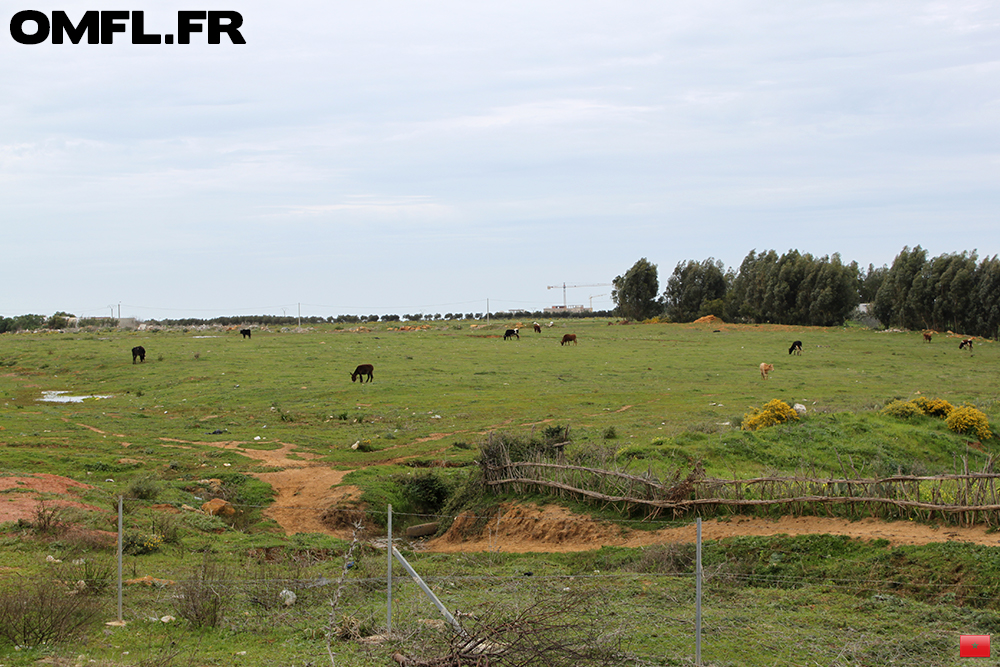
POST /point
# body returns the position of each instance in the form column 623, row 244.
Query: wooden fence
column 965, row 499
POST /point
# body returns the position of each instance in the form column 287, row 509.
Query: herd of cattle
column 367, row 370
column 796, row 348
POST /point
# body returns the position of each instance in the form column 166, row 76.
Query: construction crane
column 565, row 287
column 592, row 297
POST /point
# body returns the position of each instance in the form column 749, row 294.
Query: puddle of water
column 59, row 397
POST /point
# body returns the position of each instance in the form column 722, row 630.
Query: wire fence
column 647, row 609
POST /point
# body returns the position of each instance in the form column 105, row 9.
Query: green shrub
column 427, row 492
column 144, row 488
column 774, row 412
column 968, row 420
column 902, row 409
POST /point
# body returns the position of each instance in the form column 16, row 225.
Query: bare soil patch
column 20, row 496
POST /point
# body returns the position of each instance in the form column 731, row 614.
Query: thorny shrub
column 202, row 599
column 774, row 412
column 40, row 611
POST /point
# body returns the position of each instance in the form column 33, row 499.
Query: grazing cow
column 245, row 332
column 138, row 352
column 363, row 370
column 796, row 347
column 765, row 369
column 568, row 338
column 538, row 327
column 966, row 343
column 511, row 333
column 927, row 336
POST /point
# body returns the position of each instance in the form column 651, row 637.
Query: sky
column 392, row 157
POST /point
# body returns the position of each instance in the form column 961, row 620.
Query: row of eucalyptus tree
column 956, row 292
column 952, row 291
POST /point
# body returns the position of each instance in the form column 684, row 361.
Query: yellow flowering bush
column 774, row 412
column 968, row 419
column 139, row 544
column 935, row 407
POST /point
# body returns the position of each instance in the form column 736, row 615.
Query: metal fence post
column 119, row 559
column 697, row 598
column 388, row 588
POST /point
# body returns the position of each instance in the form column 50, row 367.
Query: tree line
column 954, row 291
column 63, row 320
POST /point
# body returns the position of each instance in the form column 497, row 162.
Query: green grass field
column 656, row 396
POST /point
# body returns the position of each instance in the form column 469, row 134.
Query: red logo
column 974, row 646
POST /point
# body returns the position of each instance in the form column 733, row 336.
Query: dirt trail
column 304, row 488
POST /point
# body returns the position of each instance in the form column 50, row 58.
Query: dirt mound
column 530, row 528
column 522, row 528
column 709, row 319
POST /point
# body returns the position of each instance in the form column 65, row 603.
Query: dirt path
column 304, row 488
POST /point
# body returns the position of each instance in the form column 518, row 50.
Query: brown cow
column 362, row 371
column 568, row 338
column 966, row 343
column 765, row 369
column 927, row 336
column 538, row 327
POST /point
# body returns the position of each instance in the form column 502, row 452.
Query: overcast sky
column 400, row 157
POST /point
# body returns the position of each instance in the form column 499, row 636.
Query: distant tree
column 793, row 289
column 58, row 320
column 870, row 281
column 636, row 292
column 894, row 304
column 745, row 300
column 28, row 322
column 985, row 316
column 693, row 285
column 390, row 318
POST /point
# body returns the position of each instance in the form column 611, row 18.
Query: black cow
column 362, row 371
column 245, row 332
column 796, row 347
column 138, row 352
column 511, row 333
column 966, row 343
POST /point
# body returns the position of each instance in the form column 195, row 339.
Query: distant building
column 555, row 310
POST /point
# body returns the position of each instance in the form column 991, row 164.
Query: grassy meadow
column 685, row 387
column 654, row 397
